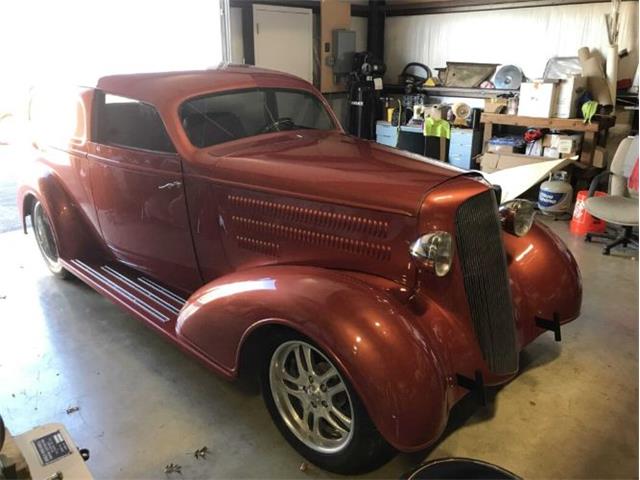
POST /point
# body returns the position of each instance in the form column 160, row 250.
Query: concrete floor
column 571, row 413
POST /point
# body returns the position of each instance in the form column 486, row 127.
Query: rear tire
column 317, row 410
column 46, row 241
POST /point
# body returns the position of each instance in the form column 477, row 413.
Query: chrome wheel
column 44, row 236
column 311, row 397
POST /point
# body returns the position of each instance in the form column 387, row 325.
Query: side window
column 57, row 118
column 125, row 122
column 303, row 109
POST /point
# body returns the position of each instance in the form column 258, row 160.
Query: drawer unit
column 386, row 134
column 465, row 145
column 462, row 136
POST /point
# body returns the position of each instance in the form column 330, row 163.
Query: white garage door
column 283, row 39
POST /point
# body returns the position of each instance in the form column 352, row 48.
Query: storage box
column 551, row 152
column 569, row 91
column 490, row 162
column 499, row 148
column 568, row 145
column 538, row 99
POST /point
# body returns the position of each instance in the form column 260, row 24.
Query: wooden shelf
column 575, row 124
column 461, row 92
column 594, row 132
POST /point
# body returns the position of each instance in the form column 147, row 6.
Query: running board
column 138, row 294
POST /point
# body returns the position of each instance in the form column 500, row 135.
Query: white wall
column 360, row 26
column 526, row 37
column 44, row 40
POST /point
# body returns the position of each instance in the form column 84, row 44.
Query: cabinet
column 465, row 144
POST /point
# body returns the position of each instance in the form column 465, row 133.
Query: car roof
column 163, row 88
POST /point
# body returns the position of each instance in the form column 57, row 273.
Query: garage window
column 129, row 123
column 223, row 117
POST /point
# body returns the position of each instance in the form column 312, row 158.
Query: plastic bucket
column 583, row 222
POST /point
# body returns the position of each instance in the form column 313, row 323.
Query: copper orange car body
column 306, row 230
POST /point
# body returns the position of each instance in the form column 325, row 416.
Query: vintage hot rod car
column 367, row 288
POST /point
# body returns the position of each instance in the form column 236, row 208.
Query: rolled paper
column 612, row 71
column 592, row 68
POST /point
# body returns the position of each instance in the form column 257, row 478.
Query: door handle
column 170, row 185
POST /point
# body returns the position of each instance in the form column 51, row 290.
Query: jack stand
column 475, row 385
column 552, row 325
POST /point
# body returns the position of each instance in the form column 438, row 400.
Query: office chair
column 620, row 207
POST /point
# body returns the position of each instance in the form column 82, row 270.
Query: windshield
column 223, row 117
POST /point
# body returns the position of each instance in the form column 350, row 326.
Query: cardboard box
column 495, row 105
column 555, row 139
column 538, row 99
column 490, row 162
column 567, row 146
column 499, row 148
column 569, row 91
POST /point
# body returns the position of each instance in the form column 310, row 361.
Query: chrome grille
column 486, row 281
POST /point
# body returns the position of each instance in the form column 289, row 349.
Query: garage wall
column 526, row 37
column 360, row 26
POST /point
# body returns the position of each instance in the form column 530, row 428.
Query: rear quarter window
column 129, row 123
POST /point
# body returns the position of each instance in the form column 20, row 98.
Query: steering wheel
column 277, row 125
column 411, row 76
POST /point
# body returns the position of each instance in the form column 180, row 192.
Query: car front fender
column 363, row 328
column 545, row 279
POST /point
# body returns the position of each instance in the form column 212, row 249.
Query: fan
column 508, row 77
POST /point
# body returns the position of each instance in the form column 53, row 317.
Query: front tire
column 317, row 410
column 46, row 241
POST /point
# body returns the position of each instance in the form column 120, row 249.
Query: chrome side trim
column 163, row 290
column 104, row 280
column 139, row 289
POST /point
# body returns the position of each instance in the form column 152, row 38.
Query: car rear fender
column 75, row 236
column 365, row 330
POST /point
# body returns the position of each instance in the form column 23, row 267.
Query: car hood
column 330, row 166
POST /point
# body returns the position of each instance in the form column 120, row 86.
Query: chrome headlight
column 434, row 251
column 517, row 216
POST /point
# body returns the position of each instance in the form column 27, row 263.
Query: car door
column 138, row 191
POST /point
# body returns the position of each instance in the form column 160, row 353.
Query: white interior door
column 283, row 39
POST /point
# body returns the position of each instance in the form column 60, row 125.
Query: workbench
column 595, row 133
